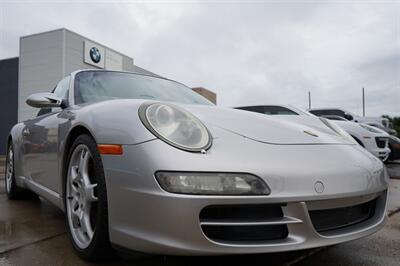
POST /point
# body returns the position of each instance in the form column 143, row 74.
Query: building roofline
column 43, row 32
column 80, row 35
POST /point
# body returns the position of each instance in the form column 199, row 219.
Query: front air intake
column 258, row 223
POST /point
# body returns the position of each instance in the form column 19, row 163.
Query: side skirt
column 48, row 194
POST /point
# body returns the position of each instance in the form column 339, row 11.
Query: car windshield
column 94, row 86
column 269, row 110
column 335, row 117
column 278, row 110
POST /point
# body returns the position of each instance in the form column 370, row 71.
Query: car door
column 42, row 137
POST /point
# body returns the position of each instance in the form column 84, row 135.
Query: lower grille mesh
column 244, row 223
column 333, row 219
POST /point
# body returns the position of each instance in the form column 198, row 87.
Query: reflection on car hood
column 268, row 129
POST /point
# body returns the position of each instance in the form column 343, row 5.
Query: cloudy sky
column 249, row 52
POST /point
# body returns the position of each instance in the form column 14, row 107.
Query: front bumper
column 143, row 217
column 171, row 225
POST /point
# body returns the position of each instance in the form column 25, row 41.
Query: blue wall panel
column 8, row 99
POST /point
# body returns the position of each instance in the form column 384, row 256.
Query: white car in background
column 388, row 130
column 372, row 139
column 375, row 140
column 379, row 122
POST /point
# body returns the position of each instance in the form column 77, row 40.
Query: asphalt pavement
column 32, row 232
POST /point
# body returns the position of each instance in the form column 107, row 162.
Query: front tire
column 86, row 201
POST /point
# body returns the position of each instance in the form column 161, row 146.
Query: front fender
column 112, row 122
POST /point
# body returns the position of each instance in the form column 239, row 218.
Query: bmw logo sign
column 95, row 54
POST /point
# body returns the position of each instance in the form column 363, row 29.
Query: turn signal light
column 110, row 149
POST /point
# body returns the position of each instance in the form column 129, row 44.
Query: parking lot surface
column 32, row 232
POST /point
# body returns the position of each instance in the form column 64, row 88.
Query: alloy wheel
column 9, row 169
column 81, row 201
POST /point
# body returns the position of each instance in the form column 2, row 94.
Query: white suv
column 375, row 140
column 380, row 122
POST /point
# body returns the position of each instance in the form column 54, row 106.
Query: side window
column 318, row 112
column 44, row 111
column 62, row 88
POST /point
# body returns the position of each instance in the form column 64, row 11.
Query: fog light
column 212, row 183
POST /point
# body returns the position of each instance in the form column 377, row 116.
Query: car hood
column 287, row 130
column 355, row 129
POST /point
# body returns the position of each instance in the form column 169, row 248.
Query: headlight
column 338, row 130
column 212, row 183
column 175, row 126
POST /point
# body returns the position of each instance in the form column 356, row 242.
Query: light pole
column 309, row 99
column 363, row 101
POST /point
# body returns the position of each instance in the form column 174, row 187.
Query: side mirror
column 348, row 117
column 43, row 100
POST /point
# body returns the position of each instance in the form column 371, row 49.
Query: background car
column 143, row 163
column 388, row 129
column 372, row 139
column 380, row 122
column 394, row 145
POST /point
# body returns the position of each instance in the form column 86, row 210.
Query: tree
column 395, row 122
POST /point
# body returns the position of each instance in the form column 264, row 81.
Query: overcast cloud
column 248, row 53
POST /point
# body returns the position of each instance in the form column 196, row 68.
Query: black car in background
column 394, row 145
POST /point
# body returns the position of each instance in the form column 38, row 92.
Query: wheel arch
column 74, row 133
column 14, row 136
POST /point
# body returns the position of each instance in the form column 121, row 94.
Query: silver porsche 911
column 144, row 163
